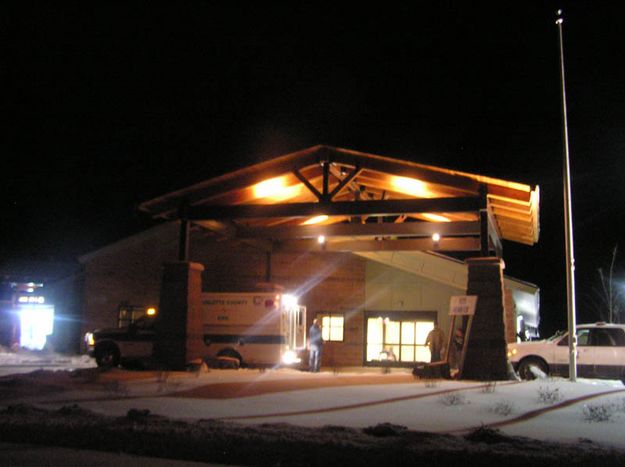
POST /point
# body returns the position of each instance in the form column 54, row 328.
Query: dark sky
column 111, row 105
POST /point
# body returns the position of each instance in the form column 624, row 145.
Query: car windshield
column 557, row 335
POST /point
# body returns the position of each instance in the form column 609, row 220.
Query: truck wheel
column 527, row 366
column 107, row 356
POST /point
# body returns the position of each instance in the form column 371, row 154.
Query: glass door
column 397, row 339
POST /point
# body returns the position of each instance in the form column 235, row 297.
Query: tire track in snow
column 360, row 404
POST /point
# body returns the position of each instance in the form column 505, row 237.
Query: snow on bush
column 453, row 399
column 598, row 412
column 503, row 408
column 490, row 387
column 549, row 396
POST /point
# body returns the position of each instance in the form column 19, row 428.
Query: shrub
column 490, row 387
column 504, row 408
column 548, row 395
column 598, row 413
column 431, row 383
column 453, row 399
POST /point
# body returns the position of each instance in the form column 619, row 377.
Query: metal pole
column 568, row 218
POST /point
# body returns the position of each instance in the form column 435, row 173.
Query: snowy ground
column 549, row 409
column 25, row 361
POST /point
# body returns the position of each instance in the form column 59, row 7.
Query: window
column 608, row 337
column 331, row 326
column 401, row 334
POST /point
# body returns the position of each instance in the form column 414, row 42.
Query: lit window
column 331, row 326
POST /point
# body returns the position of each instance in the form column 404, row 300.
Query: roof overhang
column 359, row 202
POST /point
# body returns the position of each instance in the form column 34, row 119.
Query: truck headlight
column 290, row 357
column 89, row 340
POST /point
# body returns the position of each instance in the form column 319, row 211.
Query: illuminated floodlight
column 290, row 357
column 151, row 311
column 321, row 239
column 315, row 220
column 36, row 324
column 436, row 237
column 276, row 189
column 410, row 186
column 289, row 300
column 435, row 217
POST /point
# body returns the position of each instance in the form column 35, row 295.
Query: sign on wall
column 462, row 305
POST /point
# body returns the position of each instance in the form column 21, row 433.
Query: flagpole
column 568, row 217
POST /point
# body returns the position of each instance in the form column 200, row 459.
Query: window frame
column 331, row 315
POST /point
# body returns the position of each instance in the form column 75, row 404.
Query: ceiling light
column 315, row 220
column 410, row 186
column 276, row 189
column 435, row 217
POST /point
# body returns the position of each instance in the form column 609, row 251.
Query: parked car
column 600, row 353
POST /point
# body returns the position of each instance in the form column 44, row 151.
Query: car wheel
column 107, row 356
column 529, row 368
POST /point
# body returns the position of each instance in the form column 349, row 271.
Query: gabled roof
column 327, row 186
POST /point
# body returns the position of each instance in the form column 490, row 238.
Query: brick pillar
column 179, row 323
column 486, row 358
column 510, row 316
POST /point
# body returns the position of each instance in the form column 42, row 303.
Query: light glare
column 276, row 189
column 410, row 186
column 315, row 220
column 435, row 217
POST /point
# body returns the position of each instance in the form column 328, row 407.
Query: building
column 372, row 245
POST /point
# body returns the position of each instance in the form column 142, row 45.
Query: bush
column 453, row 399
column 598, row 413
column 490, row 387
column 548, row 395
column 504, row 408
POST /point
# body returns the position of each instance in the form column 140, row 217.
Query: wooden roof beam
column 390, row 229
column 339, row 208
column 412, row 244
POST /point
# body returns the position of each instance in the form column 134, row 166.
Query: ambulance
column 263, row 329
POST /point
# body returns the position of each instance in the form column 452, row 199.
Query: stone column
column 178, row 325
column 486, row 353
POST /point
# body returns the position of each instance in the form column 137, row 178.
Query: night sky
column 109, row 106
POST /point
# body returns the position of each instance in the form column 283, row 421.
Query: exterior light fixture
column 436, row 237
column 321, row 239
column 276, row 189
column 151, row 311
column 315, row 220
column 410, row 186
column 435, row 217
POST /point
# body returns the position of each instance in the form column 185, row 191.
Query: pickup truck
column 114, row 346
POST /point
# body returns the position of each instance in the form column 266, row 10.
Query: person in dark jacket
column 315, row 346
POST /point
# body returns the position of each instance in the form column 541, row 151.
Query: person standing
column 315, row 346
column 435, row 341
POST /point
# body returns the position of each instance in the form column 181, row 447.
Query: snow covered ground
column 25, row 361
column 551, row 409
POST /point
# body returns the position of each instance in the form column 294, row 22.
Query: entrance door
column 399, row 337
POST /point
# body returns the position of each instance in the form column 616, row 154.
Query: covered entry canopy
column 358, row 202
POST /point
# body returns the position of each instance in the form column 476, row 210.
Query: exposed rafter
column 340, row 208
